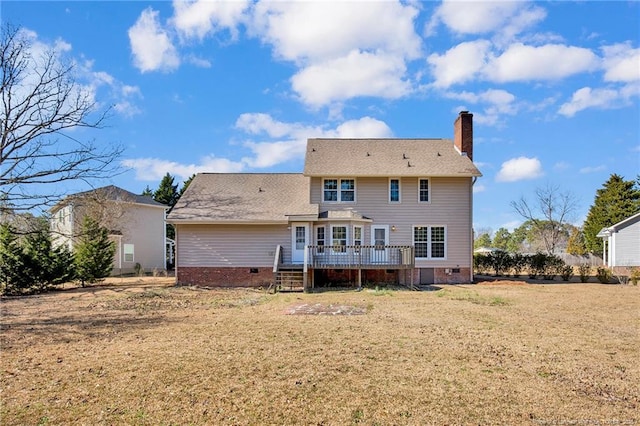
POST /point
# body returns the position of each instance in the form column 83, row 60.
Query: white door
column 380, row 239
column 299, row 241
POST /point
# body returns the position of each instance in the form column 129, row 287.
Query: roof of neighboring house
column 386, row 157
column 605, row 232
column 112, row 193
column 244, row 198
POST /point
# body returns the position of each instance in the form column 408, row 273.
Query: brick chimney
column 463, row 133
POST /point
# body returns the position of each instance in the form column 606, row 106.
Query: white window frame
column 430, row 242
column 339, row 190
column 357, row 239
column 399, row 200
column 321, row 247
column 428, row 190
column 346, row 239
column 125, row 252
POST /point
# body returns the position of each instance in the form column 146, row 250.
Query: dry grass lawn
column 147, row 353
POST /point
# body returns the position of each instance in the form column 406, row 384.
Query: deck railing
column 363, row 257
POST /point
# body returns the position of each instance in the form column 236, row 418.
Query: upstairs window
column 339, row 190
column 394, row 190
column 330, row 190
column 347, row 190
column 423, row 189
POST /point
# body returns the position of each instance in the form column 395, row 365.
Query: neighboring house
column 621, row 243
column 136, row 224
column 363, row 210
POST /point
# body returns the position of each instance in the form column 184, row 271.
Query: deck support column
column 359, row 278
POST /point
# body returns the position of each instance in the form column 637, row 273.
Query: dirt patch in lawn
column 150, row 353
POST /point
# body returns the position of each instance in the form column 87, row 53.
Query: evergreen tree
column 615, row 201
column 94, row 254
column 44, row 264
column 484, row 240
column 147, row 192
column 518, row 238
column 11, row 262
column 167, row 192
column 185, row 185
column 501, row 239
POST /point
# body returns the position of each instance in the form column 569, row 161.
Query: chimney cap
column 464, row 112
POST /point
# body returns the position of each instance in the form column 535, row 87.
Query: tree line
column 546, row 227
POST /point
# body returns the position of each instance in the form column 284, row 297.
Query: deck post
column 359, row 278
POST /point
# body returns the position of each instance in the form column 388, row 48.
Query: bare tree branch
column 550, row 213
column 42, row 110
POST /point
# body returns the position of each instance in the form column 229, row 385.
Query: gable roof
column 111, row 193
column 386, row 158
column 605, row 232
column 244, row 198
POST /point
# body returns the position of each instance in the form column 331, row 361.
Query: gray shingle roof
column 244, row 198
column 386, row 157
column 111, row 193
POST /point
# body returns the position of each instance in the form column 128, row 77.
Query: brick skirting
column 224, row 277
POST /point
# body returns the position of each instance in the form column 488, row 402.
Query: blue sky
column 239, row 86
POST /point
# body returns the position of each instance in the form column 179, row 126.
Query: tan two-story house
column 363, row 210
column 136, row 225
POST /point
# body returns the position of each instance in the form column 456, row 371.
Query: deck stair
column 289, row 278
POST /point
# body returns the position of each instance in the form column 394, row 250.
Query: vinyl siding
column 143, row 227
column 231, row 245
column 449, row 206
column 627, row 246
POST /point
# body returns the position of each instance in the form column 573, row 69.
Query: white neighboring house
column 621, row 243
column 136, row 224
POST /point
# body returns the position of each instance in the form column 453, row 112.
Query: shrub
column 566, row 272
column 536, row 264
column 518, row 263
column 137, row 269
column 634, row 276
column 584, row 271
column 500, row 262
column 604, row 275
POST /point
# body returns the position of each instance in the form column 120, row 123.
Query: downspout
column 164, row 238
column 473, row 182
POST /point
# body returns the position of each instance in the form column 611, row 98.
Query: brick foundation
column 441, row 276
column 224, row 277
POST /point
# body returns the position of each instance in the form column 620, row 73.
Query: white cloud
column 593, row 169
column 356, row 74
column 153, row 169
column 476, row 17
column 520, row 168
column 549, row 62
column 151, row 45
column 196, row 19
column 460, row 63
column 343, row 49
column 590, row 98
column 621, row 63
column 293, row 137
column 498, row 104
column 477, row 188
column 304, row 32
column 97, row 87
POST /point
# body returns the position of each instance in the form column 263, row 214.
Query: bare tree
column 43, row 110
column 549, row 214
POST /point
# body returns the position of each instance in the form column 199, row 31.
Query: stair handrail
column 277, row 259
